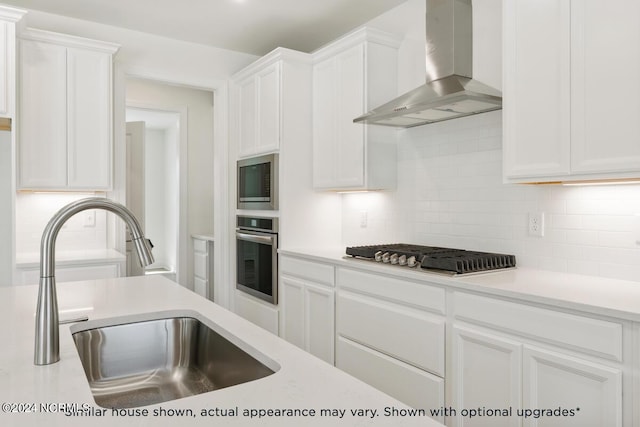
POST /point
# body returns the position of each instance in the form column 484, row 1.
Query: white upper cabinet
column 65, row 112
column 8, row 18
column 605, row 54
column 570, row 110
column 350, row 77
column 259, row 113
column 263, row 92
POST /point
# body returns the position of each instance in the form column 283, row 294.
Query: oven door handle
column 255, row 238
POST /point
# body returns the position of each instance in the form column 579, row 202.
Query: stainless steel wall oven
column 257, row 257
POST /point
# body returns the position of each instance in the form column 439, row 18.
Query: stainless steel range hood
column 450, row 91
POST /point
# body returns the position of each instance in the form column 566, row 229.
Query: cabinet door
column 536, row 88
column 319, row 321
column 307, row 313
column 485, row 372
column 553, row 380
column 325, row 134
column 605, row 106
column 5, row 62
column 247, row 117
column 42, row 132
column 200, row 267
column 89, row 119
column 268, row 114
column 292, row 327
column 349, row 153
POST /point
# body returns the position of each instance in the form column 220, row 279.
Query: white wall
column 161, row 195
column 143, row 52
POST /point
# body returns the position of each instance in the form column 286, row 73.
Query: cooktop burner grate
column 458, row 261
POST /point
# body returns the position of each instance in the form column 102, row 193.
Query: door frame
column 181, row 232
column 223, row 223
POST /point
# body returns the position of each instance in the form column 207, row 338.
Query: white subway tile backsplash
column 450, row 193
column 33, row 212
column 582, row 237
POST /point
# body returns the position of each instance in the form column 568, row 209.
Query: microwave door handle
column 254, row 238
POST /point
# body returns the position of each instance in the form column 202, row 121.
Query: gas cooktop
column 450, row 261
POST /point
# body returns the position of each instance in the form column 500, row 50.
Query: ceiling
column 250, row 26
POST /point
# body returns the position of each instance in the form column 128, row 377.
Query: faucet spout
column 47, row 340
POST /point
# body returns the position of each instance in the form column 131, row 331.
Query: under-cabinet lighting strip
column 605, row 182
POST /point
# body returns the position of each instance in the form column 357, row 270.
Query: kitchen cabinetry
column 481, row 359
column 567, row 114
column 65, row 112
column 307, row 299
column 350, row 77
column 391, row 334
column 262, row 101
column 203, row 267
column 509, row 355
column 8, row 18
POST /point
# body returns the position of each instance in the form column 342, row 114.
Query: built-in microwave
column 258, row 182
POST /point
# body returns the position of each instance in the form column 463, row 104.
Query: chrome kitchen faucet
column 47, row 345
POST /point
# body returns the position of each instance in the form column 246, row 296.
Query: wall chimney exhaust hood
column 450, row 91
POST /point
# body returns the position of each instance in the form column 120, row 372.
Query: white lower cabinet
column 591, row 391
column 485, row 372
column 391, row 334
column 307, row 300
column 401, row 380
column 480, row 360
column 256, row 311
column 307, row 317
column 523, row 366
column 203, row 267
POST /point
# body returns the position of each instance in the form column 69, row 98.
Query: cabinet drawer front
column 404, row 291
column 317, row 272
column 408, row 334
column 406, row 383
column 199, row 245
column 200, row 265
column 599, row 337
column 200, row 286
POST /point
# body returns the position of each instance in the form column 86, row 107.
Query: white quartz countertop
column 208, row 237
column 92, row 256
column 597, row 295
column 302, row 382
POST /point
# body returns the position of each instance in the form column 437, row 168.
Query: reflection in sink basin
column 148, row 362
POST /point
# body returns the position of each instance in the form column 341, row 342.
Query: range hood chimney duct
column 450, row 91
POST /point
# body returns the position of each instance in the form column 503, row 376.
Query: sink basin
column 152, row 361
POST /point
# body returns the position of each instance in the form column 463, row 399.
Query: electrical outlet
column 536, row 224
column 90, row 218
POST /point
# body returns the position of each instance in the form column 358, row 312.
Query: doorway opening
column 156, row 103
column 153, row 141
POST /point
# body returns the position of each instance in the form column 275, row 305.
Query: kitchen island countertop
column 302, row 382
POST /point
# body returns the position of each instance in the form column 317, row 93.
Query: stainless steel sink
column 147, row 362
